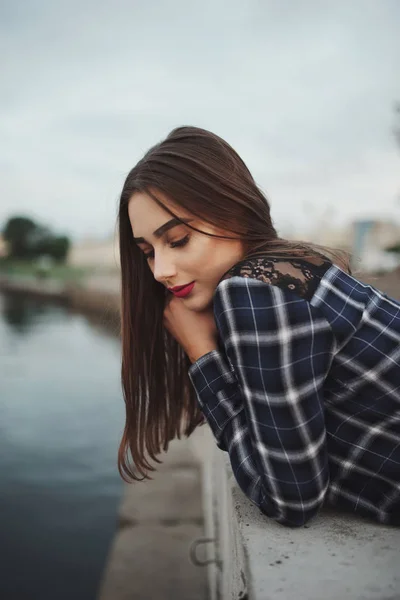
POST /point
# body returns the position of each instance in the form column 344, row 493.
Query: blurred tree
column 28, row 240
column 57, row 247
column 19, row 233
column 395, row 248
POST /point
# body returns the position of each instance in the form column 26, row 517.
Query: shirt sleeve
column 261, row 394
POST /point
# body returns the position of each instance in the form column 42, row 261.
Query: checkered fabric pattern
column 304, row 395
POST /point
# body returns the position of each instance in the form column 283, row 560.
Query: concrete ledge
column 334, row 556
column 150, row 562
column 158, row 521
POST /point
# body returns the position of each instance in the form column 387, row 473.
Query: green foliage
column 58, row 271
column 395, row 249
column 18, row 234
column 28, row 240
column 60, row 247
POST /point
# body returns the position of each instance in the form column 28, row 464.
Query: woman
column 294, row 363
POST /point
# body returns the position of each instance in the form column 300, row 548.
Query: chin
column 199, row 304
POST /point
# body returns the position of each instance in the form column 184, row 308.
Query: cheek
column 207, row 251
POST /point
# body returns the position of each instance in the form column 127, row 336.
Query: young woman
column 293, row 362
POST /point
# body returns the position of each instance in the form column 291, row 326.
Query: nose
column 163, row 269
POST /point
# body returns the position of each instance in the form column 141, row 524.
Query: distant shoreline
column 102, row 307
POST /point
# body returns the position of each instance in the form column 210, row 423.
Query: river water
column 61, row 420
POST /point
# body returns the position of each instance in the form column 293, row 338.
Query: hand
column 196, row 332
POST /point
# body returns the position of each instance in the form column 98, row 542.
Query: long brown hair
column 201, row 173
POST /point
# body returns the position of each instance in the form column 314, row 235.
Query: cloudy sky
column 304, row 91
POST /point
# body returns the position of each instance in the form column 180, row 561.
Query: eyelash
column 176, row 244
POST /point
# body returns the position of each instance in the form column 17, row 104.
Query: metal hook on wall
column 193, row 553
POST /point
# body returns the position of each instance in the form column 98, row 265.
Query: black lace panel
column 301, row 276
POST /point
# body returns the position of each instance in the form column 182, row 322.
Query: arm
column 262, row 397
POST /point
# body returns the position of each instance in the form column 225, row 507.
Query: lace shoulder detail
column 301, row 276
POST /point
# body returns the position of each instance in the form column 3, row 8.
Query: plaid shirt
column 304, row 395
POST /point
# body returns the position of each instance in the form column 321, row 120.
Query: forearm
column 287, row 478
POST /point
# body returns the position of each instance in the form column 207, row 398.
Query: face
column 180, row 255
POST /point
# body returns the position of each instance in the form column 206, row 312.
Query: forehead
column 145, row 214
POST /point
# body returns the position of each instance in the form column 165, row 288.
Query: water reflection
column 21, row 313
column 61, row 420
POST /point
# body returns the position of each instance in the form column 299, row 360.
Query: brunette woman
column 292, row 361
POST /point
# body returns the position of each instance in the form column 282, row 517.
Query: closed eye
column 177, row 244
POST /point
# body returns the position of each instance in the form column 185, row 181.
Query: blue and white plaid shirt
column 304, row 395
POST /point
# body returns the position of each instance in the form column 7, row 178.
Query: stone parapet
column 334, row 556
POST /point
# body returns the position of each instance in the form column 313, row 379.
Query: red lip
column 184, row 291
column 179, row 287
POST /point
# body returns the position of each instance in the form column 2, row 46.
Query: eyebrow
column 163, row 229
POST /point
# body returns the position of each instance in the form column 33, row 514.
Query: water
column 61, row 419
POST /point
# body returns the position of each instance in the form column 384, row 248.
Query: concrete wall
column 334, row 556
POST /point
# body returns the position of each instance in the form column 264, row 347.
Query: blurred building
column 95, row 253
column 365, row 239
column 369, row 240
column 335, row 237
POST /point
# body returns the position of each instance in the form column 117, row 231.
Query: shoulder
column 267, row 300
column 298, row 276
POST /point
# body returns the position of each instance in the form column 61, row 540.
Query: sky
column 303, row 90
